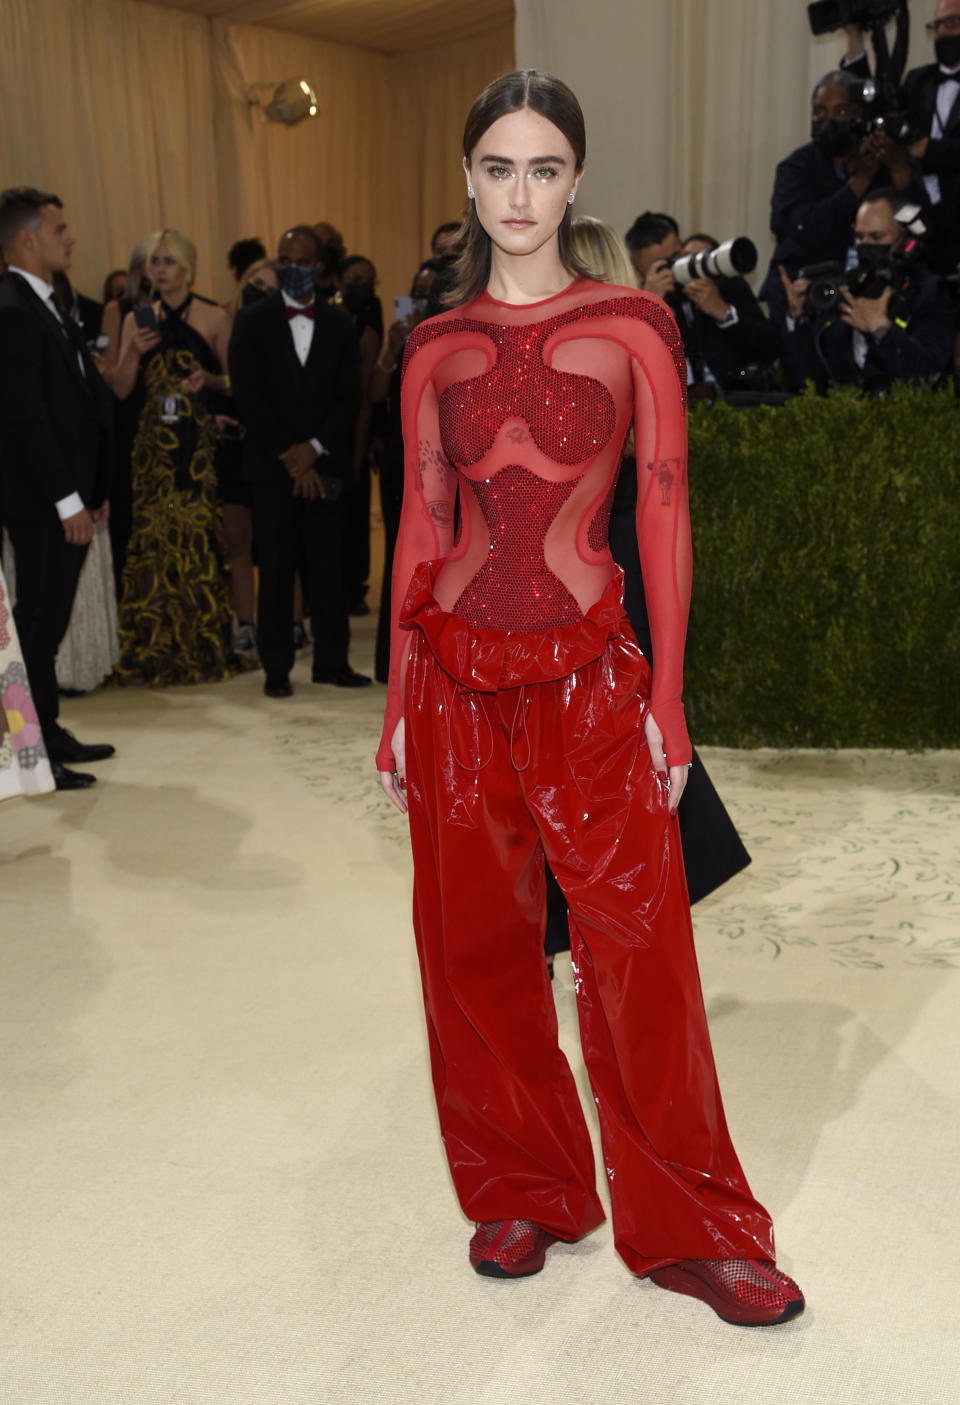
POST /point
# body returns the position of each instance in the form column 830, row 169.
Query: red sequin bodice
column 525, row 409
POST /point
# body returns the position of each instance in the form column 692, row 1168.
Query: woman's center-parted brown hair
column 533, row 89
column 513, row 92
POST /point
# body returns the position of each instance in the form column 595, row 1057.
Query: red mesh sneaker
column 509, row 1248
column 745, row 1291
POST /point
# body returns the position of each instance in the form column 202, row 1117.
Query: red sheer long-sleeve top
column 526, row 409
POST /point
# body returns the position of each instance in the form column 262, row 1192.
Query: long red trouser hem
column 495, row 781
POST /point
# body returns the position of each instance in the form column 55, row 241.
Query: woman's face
column 168, row 275
column 265, row 279
column 523, row 171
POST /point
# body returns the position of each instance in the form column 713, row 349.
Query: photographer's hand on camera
column 796, row 291
column 659, row 279
column 862, row 168
column 893, row 156
column 707, row 297
column 868, row 315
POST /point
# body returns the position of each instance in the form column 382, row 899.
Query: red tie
column 307, row 311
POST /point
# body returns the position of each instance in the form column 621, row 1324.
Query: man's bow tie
column 948, row 77
column 307, row 311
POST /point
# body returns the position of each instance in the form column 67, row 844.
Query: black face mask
column 947, row 50
column 358, row 296
column 252, row 293
column 875, row 255
column 834, row 136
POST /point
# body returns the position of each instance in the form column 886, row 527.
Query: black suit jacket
column 941, row 159
column 922, row 349
column 91, row 315
column 56, row 424
column 281, row 402
column 752, row 341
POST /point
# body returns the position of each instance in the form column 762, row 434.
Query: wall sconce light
column 292, row 101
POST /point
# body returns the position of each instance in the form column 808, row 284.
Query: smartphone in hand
column 145, row 318
column 402, row 308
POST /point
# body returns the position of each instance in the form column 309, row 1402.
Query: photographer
column 819, row 186
column 929, row 97
column 887, row 323
column 726, row 337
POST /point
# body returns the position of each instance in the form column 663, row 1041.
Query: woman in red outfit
column 522, row 721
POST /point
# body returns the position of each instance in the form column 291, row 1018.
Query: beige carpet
column 221, row 1178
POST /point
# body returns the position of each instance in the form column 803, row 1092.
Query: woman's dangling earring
column 470, row 192
column 571, row 197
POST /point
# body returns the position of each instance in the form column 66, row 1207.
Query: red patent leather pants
column 496, row 778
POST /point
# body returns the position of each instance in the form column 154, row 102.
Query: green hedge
column 826, row 540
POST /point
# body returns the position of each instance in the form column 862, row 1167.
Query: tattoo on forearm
column 441, row 512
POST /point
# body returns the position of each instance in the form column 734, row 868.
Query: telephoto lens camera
column 730, row 260
column 828, row 15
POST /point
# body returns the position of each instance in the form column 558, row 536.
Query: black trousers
column 293, row 534
column 356, row 556
column 48, row 568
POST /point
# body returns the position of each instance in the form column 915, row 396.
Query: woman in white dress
column 24, row 768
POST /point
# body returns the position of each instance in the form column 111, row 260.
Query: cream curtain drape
column 136, row 115
column 689, row 104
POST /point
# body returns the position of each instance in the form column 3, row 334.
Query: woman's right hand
column 143, row 340
column 395, row 782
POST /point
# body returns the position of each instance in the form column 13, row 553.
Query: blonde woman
column 175, row 615
column 603, row 251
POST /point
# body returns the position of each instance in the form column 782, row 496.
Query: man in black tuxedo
column 726, row 336
column 929, row 94
column 295, row 376
column 55, row 452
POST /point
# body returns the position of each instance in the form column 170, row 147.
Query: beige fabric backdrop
column 137, row 116
column 689, row 105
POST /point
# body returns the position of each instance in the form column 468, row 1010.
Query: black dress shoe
column 341, row 677
column 70, row 780
column 63, row 746
column 278, row 686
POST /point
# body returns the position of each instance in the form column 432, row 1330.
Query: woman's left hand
column 676, row 779
column 195, row 381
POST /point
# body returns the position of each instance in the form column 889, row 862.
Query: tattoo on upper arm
column 441, row 513
column 434, row 460
column 668, row 471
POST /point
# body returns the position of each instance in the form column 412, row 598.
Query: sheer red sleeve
column 663, row 517
column 426, row 521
